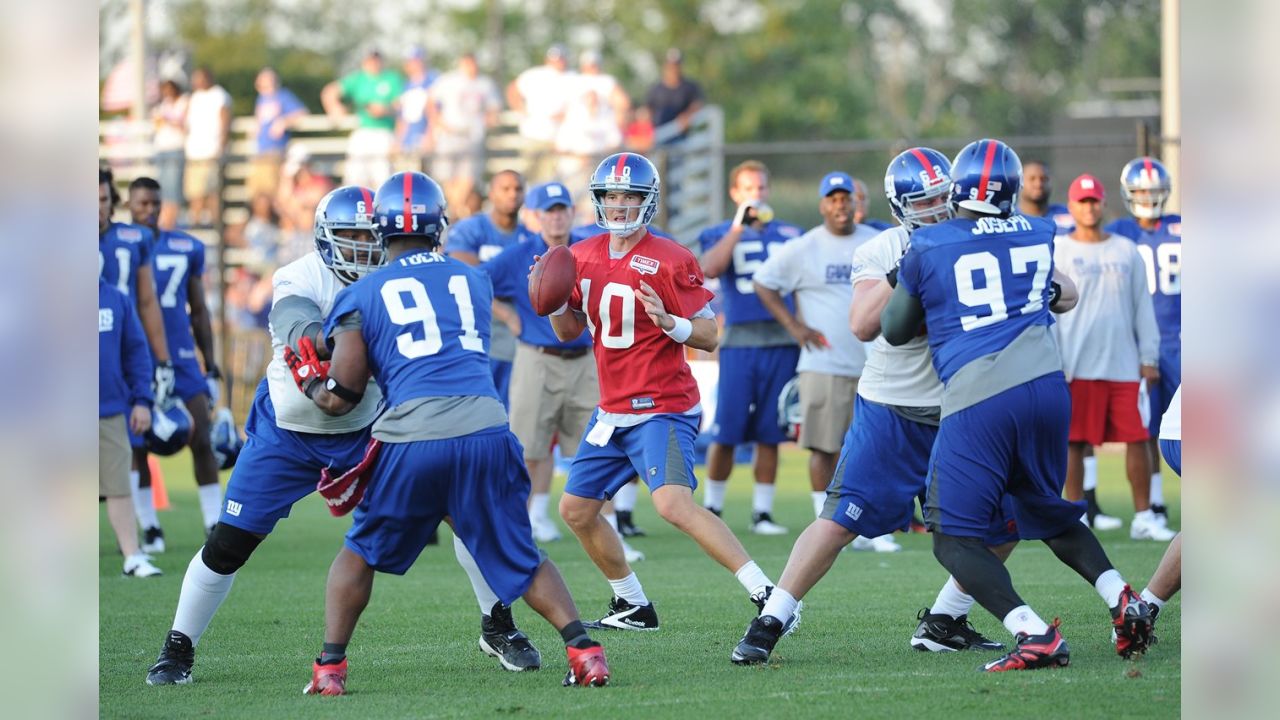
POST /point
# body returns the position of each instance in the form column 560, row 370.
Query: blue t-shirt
column 479, row 236
column 124, row 360
column 122, row 249
column 1161, row 250
column 509, row 272
column 413, row 109
column 425, row 319
column 736, row 289
column 177, row 257
column 267, row 109
column 982, row 283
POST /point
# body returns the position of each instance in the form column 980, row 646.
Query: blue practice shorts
column 747, row 394
column 659, row 450
column 1014, row 443
column 502, row 380
column 881, row 471
column 188, row 380
column 277, row 468
column 1161, row 393
column 1172, row 451
column 478, row 480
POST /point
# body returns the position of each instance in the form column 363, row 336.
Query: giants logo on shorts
column 853, row 511
column 644, row 265
column 234, row 508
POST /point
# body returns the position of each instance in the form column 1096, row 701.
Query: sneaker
column 757, row 643
column 881, row 544
column 633, row 555
column 626, row 526
column 943, row 633
column 1145, row 526
column 623, row 615
column 173, row 667
column 587, row 666
column 762, row 524
column 1132, row 623
column 545, row 531
column 153, row 540
column 1034, row 652
column 762, row 598
column 500, row 638
column 1102, row 521
column 139, row 565
column 327, row 679
column 1161, row 512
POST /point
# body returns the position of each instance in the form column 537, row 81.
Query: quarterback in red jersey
column 642, row 298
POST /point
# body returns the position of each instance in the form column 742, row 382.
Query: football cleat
column 587, row 666
column 1132, row 624
column 757, row 643
column 500, row 638
column 1161, row 512
column 544, row 530
column 762, row 598
column 880, row 544
column 943, row 633
column 139, row 565
column 173, row 667
column 153, row 540
column 626, row 526
column 1034, row 652
column 1102, row 521
column 631, row 554
column 623, row 615
column 1146, row 526
column 327, row 679
column 762, row 524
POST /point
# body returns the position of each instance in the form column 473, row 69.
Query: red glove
column 343, row 493
column 307, row 368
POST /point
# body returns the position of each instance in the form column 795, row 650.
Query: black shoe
column 1132, row 624
column 623, row 615
column 943, row 633
column 788, row 627
column 153, row 540
column 1034, row 652
column 626, row 527
column 173, row 667
column 500, row 638
column 757, row 644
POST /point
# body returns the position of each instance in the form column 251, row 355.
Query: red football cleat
column 587, row 667
column 1034, row 652
column 327, row 679
column 1132, row 623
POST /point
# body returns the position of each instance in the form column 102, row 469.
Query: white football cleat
column 632, row 554
column 1107, row 522
column 139, row 565
column 1146, row 526
column 545, row 530
column 881, row 544
column 763, row 524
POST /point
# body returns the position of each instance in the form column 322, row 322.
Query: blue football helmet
column 918, row 176
column 631, row 173
column 348, row 208
column 985, row 178
column 225, row 439
column 410, row 204
column 170, row 428
column 1148, row 176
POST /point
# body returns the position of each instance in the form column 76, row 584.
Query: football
column 551, row 280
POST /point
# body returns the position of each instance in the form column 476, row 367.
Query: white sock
column 625, row 498
column 713, row 494
column 210, row 502
column 1151, row 598
column 781, row 605
column 762, row 498
column 538, row 507
column 484, row 594
column 143, row 506
column 1109, row 585
column 1157, row 489
column 752, row 577
column 628, row 588
column 1023, row 619
column 819, row 499
column 1091, row 473
column 612, row 519
column 952, row 601
column 203, row 591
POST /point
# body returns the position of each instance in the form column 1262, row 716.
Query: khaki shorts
column 551, row 394
column 264, row 176
column 827, row 404
column 201, row 178
column 114, row 457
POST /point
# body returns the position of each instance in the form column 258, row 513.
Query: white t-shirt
column 308, row 277
column 170, row 134
column 546, row 93
column 901, row 375
column 204, row 122
column 463, row 102
column 815, row 267
column 1171, row 423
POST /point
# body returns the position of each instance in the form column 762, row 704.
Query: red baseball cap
column 1086, row 187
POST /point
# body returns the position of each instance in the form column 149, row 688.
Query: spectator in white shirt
column 169, row 144
column 208, row 128
column 540, row 96
column 462, row 106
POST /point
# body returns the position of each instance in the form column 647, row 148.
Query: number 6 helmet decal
column 985, row 178
column 348, row 208
column 410, row 204
column 629, row 173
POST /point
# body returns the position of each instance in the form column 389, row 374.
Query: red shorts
column 1105, row 411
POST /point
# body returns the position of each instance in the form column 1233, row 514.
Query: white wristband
column 681, row 331
column 561, row 310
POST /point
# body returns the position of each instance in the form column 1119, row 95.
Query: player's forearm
column 772, row 301
column 716, row 259
column 901, row 318
column 705, row 336
column 568, row 325
column 153, row 325
column 869, row 300
column 202, row 330
column 329, row 403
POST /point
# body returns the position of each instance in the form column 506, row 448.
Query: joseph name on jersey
column 176, row 257
column 308, row 278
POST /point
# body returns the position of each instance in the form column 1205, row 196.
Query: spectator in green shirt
column 372, row 92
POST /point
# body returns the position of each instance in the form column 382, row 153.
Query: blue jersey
column 479, row 236
column 425, row 319
column 122, row 249
column 124, row 362
column 1161, row 250
column 754, row 247
column 176, row 258
column 982, row 284
column 1061, row 218
column 509, row 272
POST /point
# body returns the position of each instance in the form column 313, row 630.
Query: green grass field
column 415, row 653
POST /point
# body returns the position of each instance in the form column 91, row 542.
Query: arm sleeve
column 708, row 238
column 778, row 272
column 900, row 320
column 1147, row 330
column 461, row 238
column 345, row 315
column 136, row 360
column 294, row 317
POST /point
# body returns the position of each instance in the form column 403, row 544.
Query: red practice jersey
column 641, row 369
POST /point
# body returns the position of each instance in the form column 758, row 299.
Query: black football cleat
column 943, row 633
column 1034, row 652
column 761, row 599
column 500, row 638
column 757, row 644
column 1133, row 624
column 623, row 615
column 173, row 667
column 627, row 526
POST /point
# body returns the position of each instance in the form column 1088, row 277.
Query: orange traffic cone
column 159, row 496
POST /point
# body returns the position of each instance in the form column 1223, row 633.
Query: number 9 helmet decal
column 985, row 178
column 915, row 178
column 410, row 204
column 1146, row 185
column 628, row 173
column 348, row 208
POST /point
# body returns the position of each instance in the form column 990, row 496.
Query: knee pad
column 228, row 548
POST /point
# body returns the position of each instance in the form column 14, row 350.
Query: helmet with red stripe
column 410, row 204
column 625, row 173
column 985, row 178
column 344, row 233
column 914, row 182
column 1146, row 185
